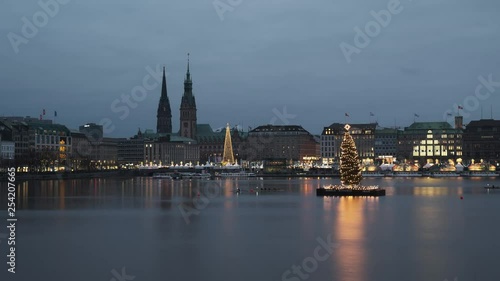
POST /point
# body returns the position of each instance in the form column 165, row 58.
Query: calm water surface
column 203, row 230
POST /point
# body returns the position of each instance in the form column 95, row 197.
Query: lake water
column 145, row 229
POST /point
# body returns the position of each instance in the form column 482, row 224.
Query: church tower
column 164, row 115
column 188, row 109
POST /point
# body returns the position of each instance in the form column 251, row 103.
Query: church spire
column 164, row 114
column 164, row 85
column 188, row 108
column 188, row 74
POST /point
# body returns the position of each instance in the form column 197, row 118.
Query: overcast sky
column 253, row 57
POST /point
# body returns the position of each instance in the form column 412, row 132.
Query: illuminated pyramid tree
column 350, row 169
column 228, row 157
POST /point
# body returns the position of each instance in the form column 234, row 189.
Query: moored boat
column 444, row 174
column 479, row 174
column 406, row 174
column 372, row 175
column 162, row 176
column 237, row 175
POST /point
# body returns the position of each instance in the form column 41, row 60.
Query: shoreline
column 148, row 173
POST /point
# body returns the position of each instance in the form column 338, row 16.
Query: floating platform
column 349, row 192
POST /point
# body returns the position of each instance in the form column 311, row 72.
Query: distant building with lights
column 291, row 142
column 7, row 145
column 131, row 151
column 386, row 145
column 168, row 149
column 431, row 142
column 482, row 141
column 332, row 136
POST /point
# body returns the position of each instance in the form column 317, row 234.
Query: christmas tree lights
column 228, row 156
column 350, row 166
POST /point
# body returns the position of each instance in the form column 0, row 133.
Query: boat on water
column 201, row 176
column 237, row 175
column 162, row 176
column 404, row 174
column 479, row 174
column 195, row 176
column 372, row 175
column 444, row 174
column 492, row 186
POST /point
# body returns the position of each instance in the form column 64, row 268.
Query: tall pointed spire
column 188, row 74
column 164, row 115
column 164, row 85
column 188, row 108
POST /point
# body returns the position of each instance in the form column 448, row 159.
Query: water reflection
column 350, row 232
column 415, row 233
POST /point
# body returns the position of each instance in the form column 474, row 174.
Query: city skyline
column 242, row 74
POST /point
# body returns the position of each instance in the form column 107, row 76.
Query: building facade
column 291, row 142
column 7, row 145
column 430, row 142
column 386, row 145
column 7, row 150
column 332, row 136
column 482, row 141
column 169, row 149
column 131, row 151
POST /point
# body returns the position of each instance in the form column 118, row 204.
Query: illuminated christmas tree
column 350, row 168
column 228, row 156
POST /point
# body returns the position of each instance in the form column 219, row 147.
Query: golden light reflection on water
column 432, row 191
column 349, row 215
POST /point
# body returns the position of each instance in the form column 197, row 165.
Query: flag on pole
column 40, row 116
column 43, row 111
column 55, row 113
column 449, row 114
column 371, row 114
column 346, row 115
column 460, row 107
column 416, row 115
